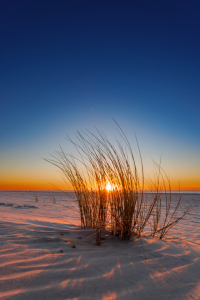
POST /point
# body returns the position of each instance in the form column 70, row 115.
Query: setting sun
column 108, row 187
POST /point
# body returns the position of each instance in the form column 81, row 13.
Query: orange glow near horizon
column 53, row 181
column 19, row 175
column 185, row 185
column 37, row 185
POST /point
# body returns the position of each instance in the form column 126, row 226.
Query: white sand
column 32, row 265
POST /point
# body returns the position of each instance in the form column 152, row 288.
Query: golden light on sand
column 108, row 187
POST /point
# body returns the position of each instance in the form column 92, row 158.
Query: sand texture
column 45, row 255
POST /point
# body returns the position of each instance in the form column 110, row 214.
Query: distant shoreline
column 174, row 192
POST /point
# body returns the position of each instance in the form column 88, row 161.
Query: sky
column 76, row 65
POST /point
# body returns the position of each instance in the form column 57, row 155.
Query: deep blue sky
column 68, row 65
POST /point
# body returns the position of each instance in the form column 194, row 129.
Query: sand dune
column 38, row 261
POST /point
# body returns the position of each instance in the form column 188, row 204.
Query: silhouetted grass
column 126, row 209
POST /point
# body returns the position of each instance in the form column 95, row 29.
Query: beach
column 44, row 254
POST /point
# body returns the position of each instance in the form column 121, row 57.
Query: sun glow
column 108, row 187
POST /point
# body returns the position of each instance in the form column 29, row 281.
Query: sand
column 45, row 255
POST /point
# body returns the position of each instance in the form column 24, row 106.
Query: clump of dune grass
column 126, row 209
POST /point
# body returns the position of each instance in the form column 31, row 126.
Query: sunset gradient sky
column 73, row 65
